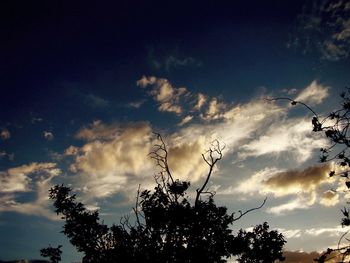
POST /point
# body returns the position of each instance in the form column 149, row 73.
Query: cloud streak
column 324, row 27
column 305, row 187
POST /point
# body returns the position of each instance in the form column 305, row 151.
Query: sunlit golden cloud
column 165, row 94
column 304, row 185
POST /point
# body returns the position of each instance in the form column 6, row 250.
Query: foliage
column 53, row 253
column 255, row 244
column 168, row 227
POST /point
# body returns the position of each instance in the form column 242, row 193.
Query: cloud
column 5, row 155
column 5, row 134
column 175, row 62
column 182, row 101
column 313, row 94
column 295, row 181
column 33, row 177
column 303, row 185
column 201, row 100
column 324, row 27
column 15, row 182
column 136, row 104
column 48, row 135
column 299, row 202
column 112, row 157
column 330, row 231
column 216, row 110
column 97, row 130
column 96, row 102
column 35, row 120
column 185, row 120
column 17, row 179
column 168, row 97
column 185, row 159
column 115, row 158
column 329, row 198
column 172, row 61
column 290, row 233
column 293, row 136
column 71, row 150
column 236, row 124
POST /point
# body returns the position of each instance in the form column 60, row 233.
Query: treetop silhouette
column 167, row 225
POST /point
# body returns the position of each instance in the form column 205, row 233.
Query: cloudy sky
column 84, row 85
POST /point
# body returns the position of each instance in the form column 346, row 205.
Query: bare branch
column 248, row 211
column 211, row 160
column 160, row 155
column 136, row 210
column 293, row 102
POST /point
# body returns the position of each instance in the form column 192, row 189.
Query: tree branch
column 248, row 211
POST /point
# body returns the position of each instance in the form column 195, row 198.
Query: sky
column 85, row 84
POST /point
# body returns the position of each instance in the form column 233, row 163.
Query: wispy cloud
column 291, row 233
column 6, row 155
column 175, row 62
column 327, row 231
column 293, row 135
column 324, row 27
column 136, row 104
column 35, row 120
column 171, row 61
column 313, row 94
column 186, row 120
column 95, row 101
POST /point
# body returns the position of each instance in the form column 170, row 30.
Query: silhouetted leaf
column 347, row 183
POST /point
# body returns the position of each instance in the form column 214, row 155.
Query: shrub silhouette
column 53, row 253
column 167, row 227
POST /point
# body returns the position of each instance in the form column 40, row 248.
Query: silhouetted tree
column 255, row 244
column 53, row 253
column 167, row 226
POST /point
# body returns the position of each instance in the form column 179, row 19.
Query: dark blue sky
column 68, row 77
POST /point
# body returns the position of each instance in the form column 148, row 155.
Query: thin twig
column 249, row 210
